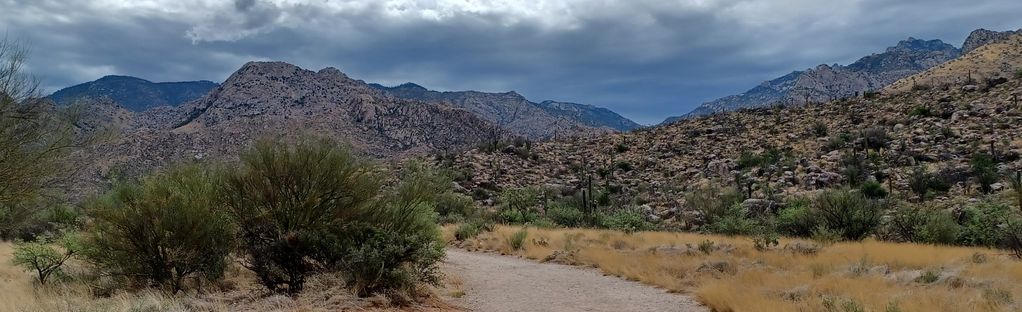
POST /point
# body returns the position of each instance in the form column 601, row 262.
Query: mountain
column 519, row 115
column 274, row 99
column 786, row 152
column 981, row 37
column 828, row 82
column 992, row 63
column 135, row 94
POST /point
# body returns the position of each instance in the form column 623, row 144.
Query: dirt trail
column 495, row 283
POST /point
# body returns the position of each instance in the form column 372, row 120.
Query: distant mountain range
column 516, row 113
column 828, row 82
column 135, row 94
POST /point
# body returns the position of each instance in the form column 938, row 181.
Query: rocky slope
column 988, row 64
column 829, row 82
column 776, row 151
column 132, row 93
column 280, row 100
column 519, row 115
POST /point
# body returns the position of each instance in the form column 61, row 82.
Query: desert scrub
column 47, row 255
column 165, row 230
column 342, row 219
column 517, row 240
column 471, row 229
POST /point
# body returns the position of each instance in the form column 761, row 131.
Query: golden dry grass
column 735, row 276
column 20, row 293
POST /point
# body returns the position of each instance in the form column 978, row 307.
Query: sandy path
column 495, row 283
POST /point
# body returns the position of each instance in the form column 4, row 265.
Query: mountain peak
column 920, row 45
column 982, row 36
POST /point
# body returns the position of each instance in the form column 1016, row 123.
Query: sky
column 644, row 59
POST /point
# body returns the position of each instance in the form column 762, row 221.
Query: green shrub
column 166, row 229
column 517, row 240
column 734, row 222
column 519, row 199
column 566, row 215
column 875, row 137
column 516, row 217
column 713, row 202
column 904, row 223
column 873, row 190
column 339, row 219
column 921, row 111
column 940, row 228
column 797, row 219
column 849, row 213
column 920, row 182
column 981, row 224
column 626, row 221
column 819, row 129
column 471, row 229
column 454, row 207
column 46, row 256
column 983, row 168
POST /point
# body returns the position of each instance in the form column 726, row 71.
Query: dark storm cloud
column 644, row 59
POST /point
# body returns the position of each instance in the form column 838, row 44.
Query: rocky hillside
column 522, row 117
column 280, row 100
column 992, row 63
column 774, row 152
column 132, row 93
column 981, row 37
column 829, row 82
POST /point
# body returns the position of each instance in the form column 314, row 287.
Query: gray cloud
column 645, row 59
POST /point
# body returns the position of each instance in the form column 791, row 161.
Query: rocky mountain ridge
column 829, row 82
column 133, row 93
column 519, row 115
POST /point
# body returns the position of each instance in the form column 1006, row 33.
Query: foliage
column 875, row 137
column 517, row 240
column 767, row 157
column 517, row 216
column 164, row 230
column 819, row 129
column 46, row 256
column 920, row 181
column 849, row 213
column 873, row 190
column 313, row 206
column 33, row 141
column 566, row 214
column 519, row 199
column 626, row 221
column 982, row 223
column 294, row 204
column 797, row 219
column 940, row 228
column 734, row 221
column 854, row 168
column 1016, row 188
column 452, row 206
column 984, row 170
column 471, row 229
column 713, row 202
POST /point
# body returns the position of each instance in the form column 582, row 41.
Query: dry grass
column 733, row 276
column 19, row 292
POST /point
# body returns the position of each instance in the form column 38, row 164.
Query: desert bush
column 294, row 204
column 982, row 223
column 797, row 219
column 519, row 199
column 454, row 207
column 713, row 202
column 854, row 168
column 626, row 220
column 904, row 223
column 164, row 230
column 47, row 255
column 940, row 227
column 875, row 137
column 920, row 182
column 873, row 190
column 313, row 206
column 847, row 212
column 471, row 229
column 819, row 129
column 566, row 214
column 517, row 240
column 517, row 216
column 734, row 221
column 983, row 168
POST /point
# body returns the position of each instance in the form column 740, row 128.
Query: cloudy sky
column 642, row 58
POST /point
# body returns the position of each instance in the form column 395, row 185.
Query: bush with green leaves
column 982, row 223
column 985, row 171
column 940, row 228
column 517, row 240
column 626, row 220
column 313, row 206
column 797, row 219
column 735, row 221
column 713, row 202
column 519, row 199
column 920, row 182
column 47, row 255
column 566, row 214
column 164, row 230
column 453, row 207
column 875, row 137
column 873, row 190
column 848, row 212
column 471, row 229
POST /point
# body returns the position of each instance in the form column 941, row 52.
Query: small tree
column 848, row 212
column 1016, row 188
column 46, row 256
column 985, row 172
column 920, row 182
column 163, row 231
